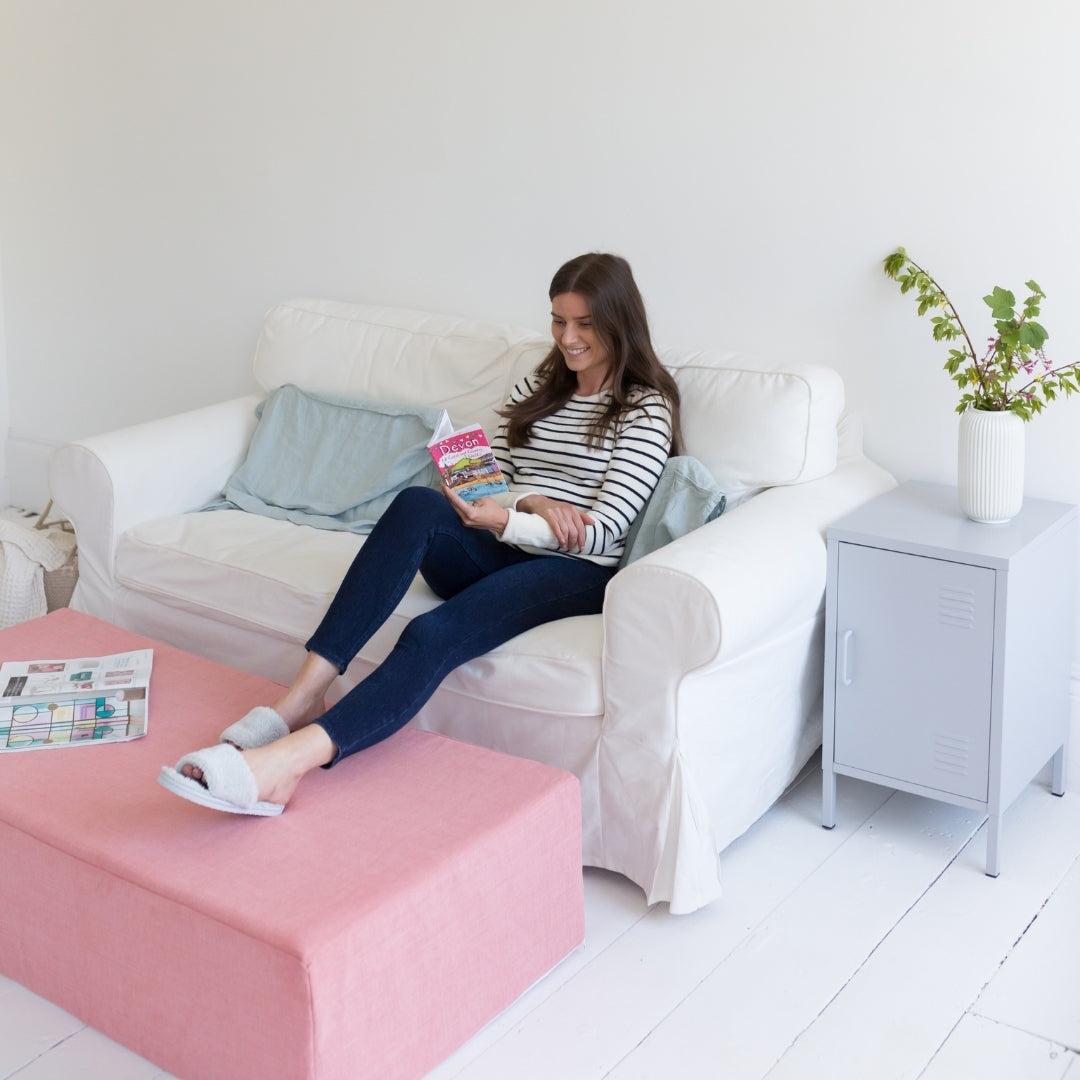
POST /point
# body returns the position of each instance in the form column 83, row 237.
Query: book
column 49, row 703
column 465, row 460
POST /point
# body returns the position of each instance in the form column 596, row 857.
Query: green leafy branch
column 986, row 381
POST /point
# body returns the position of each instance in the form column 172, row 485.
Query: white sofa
column 685, row 709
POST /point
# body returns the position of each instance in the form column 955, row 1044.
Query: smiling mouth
column 577, row 352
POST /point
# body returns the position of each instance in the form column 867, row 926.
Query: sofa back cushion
column 393, row 355
column 756, row 427
column 753, row 427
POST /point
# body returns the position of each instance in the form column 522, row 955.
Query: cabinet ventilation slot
column 956, row 607
column 951, row 754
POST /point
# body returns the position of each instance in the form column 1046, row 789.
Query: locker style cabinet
column 948, row 648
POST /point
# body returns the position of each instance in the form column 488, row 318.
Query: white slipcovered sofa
column 685, row 709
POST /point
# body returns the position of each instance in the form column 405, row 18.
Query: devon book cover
column 465, row 460
column 49, row 703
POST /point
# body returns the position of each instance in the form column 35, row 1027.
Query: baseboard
column 27, row 473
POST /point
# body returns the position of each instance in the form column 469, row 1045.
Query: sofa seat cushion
column 243, row 567
column 257, row 572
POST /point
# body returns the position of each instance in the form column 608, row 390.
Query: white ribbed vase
column 990, row 465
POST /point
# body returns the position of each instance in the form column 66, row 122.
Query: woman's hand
column 483, row 513
column 566, row 520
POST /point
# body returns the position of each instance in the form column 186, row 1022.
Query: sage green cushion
column 685, row 498
column 329, row 461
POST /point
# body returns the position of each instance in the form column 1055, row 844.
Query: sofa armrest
column 747, row 577
column 107, row 483
column 694, row 607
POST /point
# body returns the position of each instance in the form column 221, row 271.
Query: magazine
column 49, row 703
column 465, row 460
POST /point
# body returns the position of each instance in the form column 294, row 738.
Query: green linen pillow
column 329, row 461
column 685, row 498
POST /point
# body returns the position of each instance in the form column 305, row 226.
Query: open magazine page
column 466, row 461
column 48, row 703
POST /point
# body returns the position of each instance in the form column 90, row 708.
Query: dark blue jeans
column 491, row 592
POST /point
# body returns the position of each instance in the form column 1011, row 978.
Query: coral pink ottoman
column 402, row 900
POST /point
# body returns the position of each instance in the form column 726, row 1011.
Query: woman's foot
column 227, row 784
column 279, row 766
column 298, row 709
column 258, row 727
column 305, row 700
column 302, row 704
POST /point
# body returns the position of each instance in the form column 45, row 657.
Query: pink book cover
column 465, row 460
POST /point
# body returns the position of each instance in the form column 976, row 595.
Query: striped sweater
column 612, row 483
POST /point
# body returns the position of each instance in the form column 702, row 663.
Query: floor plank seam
column 735, row 948
column 1023, row 933
column 1069, row 1049
column 520, row 1021
column 941, row 1045
column 877, row 945
column 1031, row 922
column 687, row 996
column 48, row 1050
column 971, row 1010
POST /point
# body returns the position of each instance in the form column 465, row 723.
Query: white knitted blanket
column 25, row 554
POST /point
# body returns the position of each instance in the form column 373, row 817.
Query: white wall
column 5, row 487
column 170, row 170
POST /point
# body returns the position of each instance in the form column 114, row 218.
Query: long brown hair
column 618, row 316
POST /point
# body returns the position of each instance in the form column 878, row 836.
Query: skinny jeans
column 491, row 592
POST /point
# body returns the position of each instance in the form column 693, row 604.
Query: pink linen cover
column 402, row 900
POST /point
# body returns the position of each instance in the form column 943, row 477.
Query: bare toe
column 193, row 773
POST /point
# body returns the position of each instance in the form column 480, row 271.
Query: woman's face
column 582, row 351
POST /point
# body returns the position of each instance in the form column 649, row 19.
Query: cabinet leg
column 1057, row 782
column 828, row 798
column 993, row 835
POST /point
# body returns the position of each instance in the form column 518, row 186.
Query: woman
column 582, row 444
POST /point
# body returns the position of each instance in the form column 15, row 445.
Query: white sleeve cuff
column 529, row 530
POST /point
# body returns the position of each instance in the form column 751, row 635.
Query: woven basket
column 60, row 583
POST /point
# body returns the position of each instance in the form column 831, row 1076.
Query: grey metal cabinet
column 948, row 649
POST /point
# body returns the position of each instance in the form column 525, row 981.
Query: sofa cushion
column 330, row 461
column 256, row 572
column 753, row 427
column 685, row 498
column 390, row 354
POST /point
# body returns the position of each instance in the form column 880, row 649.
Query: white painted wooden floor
column 876, row 950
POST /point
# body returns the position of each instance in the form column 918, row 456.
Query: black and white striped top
column 612, row 482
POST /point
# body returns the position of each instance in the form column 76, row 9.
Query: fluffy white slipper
column 261, row 726
column 230, row 783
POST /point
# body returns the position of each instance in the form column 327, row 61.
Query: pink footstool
column 403, row 899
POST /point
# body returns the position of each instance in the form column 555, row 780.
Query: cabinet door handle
column 845, row 656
